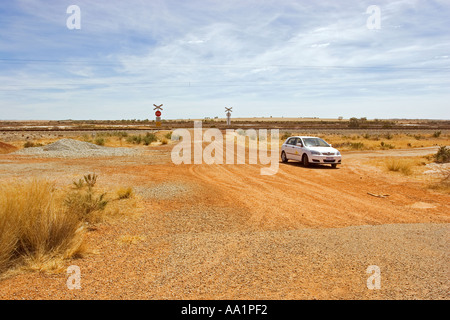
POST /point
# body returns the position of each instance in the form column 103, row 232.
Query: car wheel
column 283, row 157
column 334, row 165
column 305, row 160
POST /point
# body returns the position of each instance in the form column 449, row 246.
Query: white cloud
column 202, row 53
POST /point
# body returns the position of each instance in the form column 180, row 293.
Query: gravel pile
column 69, row 148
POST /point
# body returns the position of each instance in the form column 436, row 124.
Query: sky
column 280, row 58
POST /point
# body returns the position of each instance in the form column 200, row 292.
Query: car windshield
column 315, row 142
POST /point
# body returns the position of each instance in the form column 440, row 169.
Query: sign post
column 228, row 113
column 158, row 114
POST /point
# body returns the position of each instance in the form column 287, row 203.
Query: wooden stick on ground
column 378, row 195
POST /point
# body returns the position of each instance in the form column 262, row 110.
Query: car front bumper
column 326, row 159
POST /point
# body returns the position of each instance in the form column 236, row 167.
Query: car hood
column 323, row 149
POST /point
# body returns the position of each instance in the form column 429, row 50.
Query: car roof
column 303, row 137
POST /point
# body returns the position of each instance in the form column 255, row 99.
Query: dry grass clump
column 37, row 231
column 41, row 226
column 399, row 165
column 125, row 193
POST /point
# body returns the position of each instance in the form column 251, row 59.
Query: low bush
column 386, row 146
column 442, row 155
column 149, row 138
column 437, row 134
column 100, row 141
column 30, row 144
column 86, row 205
column 135, row 139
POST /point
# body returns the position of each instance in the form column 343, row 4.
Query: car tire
column 334, row 165
column 305, row 160
column 284, row 159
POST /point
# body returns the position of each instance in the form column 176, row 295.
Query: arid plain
column 197, row 231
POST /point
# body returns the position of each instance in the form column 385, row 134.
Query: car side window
column 290, row 141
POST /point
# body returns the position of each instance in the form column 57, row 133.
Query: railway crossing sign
column 228, row 113
column 158, row 114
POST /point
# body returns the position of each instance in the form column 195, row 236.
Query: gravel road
column 226, row 232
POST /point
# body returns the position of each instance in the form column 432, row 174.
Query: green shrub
column 85, row 203
column 121, row 134
column 437, row 134
column 386, row 146
column 443, row 155
column 99, row 141
column 91, row 180
column 149, row 138
column 353, row 123
column 30, row 144
column 136, row 139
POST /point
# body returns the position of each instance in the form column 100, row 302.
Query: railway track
column 220, row 128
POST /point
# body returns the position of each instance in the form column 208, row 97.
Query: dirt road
column 227, row 232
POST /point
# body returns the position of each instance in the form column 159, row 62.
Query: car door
column 288, row 148
column 297, row 149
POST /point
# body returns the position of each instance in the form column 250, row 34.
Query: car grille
column 328, row 153
column 330, row 161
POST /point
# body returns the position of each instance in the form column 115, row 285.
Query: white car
column 309, row 150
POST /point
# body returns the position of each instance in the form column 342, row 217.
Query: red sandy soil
column 227, row 232
column 6, row 148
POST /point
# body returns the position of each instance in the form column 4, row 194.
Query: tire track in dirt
column 307, row 202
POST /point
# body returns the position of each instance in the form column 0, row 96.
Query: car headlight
column 338, row 153
column 315, row 153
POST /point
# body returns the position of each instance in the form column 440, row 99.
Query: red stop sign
column 158, row 113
